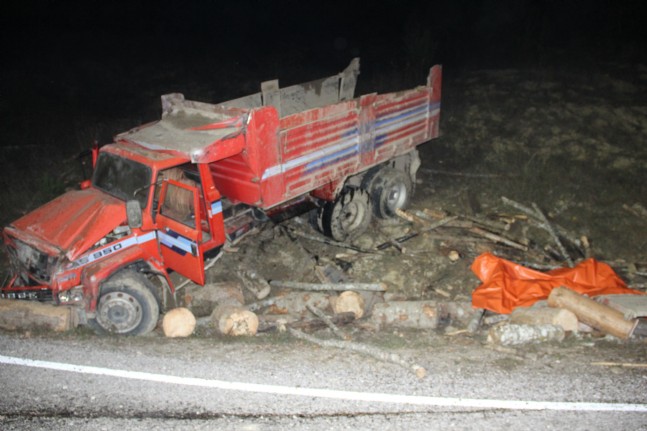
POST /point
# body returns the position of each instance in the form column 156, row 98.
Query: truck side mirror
column 134, row 213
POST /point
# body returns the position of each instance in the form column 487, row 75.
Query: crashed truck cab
column 148, row 209
column 168, row 195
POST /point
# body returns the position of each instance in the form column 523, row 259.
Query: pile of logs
column 299, row 308
column 565, row 312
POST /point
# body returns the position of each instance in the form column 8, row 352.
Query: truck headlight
column 71, row 296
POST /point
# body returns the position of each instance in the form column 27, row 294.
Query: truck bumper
column 41, row 293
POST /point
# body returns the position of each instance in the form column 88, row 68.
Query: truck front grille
column 26, row 259
column 43, row 295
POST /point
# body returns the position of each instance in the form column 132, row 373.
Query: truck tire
column 126, row 306
column 390, row 189
column 346, row 217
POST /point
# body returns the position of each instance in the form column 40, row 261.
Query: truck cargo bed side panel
column 402, row 122
column 325, row 145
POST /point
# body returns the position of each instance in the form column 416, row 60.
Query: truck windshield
column 122, row 178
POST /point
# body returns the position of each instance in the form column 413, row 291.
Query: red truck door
column 179, row 222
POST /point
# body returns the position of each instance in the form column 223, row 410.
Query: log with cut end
column 513, row 334
column 599, row 316
column 407, row 314
column 234, row 320
column 26, row 315
column 178, row 322
column 349, row 301
column 545, row 316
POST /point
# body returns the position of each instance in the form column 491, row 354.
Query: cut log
column 234, row 320
column 407, row 314
column 371, row 287
column 349, row 301
column 545, row 316
column 178, row 322
column 599, row 316
column 28, row 315
column 514, row 335
column 201, row 300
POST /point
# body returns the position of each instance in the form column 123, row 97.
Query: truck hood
column 73, row 222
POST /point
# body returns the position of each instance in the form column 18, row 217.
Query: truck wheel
column 390, row 189
column 126, row 306
column 346, row 217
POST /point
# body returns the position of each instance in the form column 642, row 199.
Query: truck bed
column 299, row 141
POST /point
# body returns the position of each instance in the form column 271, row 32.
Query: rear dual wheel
column 390, row 189
column 346, row 217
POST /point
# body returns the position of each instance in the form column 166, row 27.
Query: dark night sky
column 104, row 59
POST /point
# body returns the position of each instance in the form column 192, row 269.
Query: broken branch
column 407, row 237
column 371, row 351
column 335, row 330
column 329, row 241
column 498, row 238
column 553, row 234
column 619, row 364
column 371, row 287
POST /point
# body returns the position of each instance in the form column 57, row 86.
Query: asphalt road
column 90, row 383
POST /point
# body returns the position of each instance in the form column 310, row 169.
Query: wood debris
column 553, row 234
column 364, row 349
column 16, row 314
column 545, row 316
column 234, row 320
column 407, row 314
column 598, row 316
column 178, row 322
column 349, row 301
column 329, row 323
column 297, row 285
column 514, row 335
column 619, row 364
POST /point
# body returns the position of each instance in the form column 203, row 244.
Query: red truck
column 168, row 195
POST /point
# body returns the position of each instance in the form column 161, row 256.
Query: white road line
column 330, row 393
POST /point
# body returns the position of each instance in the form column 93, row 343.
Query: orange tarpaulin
column 507, row 285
